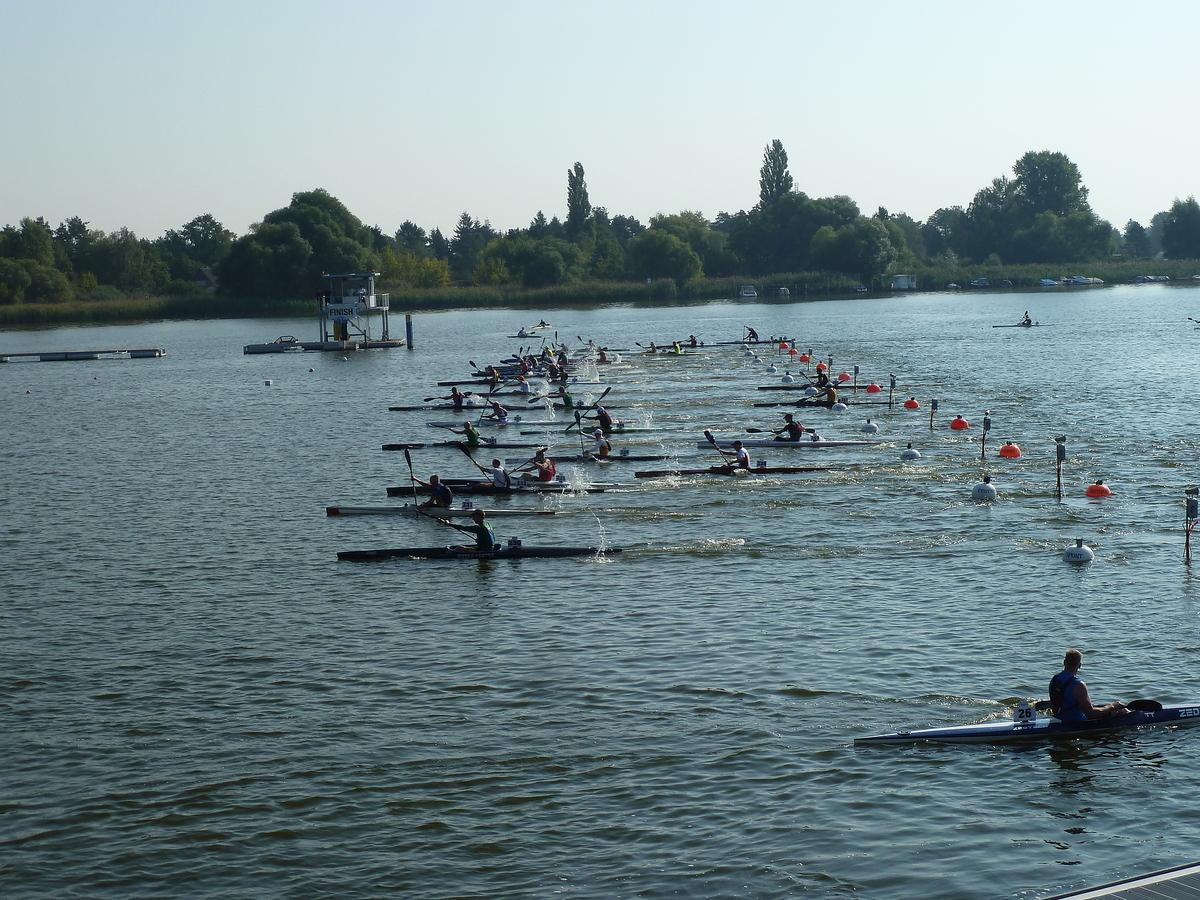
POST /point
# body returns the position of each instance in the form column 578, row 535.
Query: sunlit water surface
column 196, row 698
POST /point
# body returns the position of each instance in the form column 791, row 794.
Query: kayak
column 1042, row 727
column 615, row 457
column 822, row 404
column 497, row 423
column 513, row 551
column 409, row 510
column 1030, row 325
column 463, row 445
column 487, row 487
column 791, row 445
column 726, row 470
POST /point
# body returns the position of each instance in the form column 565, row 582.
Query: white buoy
column 1079, row 553
column 787, row 378
column 838, row 407
column 909, row 454
column 985, row 491
column 870, row 427
column 810, row 391
column 312, row 370
column 749, row 354
column 268, row 382
column 772, row 369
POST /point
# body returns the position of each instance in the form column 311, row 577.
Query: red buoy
column 821, row 367
column 783, row 345
column 1010, row 450
column 793, row 352
column 911, row 403
column 843, row 376
column 804, row 357
column 873, row 388
column 958, row 423
column 1099, row 489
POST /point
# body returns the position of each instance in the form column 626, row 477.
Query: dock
column 78, row 355
column 1177, row 883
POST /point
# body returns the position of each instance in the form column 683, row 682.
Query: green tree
column 863, row 248
column 1181, row 230
column 579, row 208
column 1136, row 241
column 657, row 254
column 14, row 279
column 1048, row 182
column 412, row 237
column 774, row 180
column 272, row 261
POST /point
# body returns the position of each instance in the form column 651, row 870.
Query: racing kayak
column 729, row 470
column 615, row 457
column 485, row 444
column 791, row 445
column 1030, row 325
column 1147, row 713
column 487, row 487
column 497, row 423
column 441, row 513
column 822, row 404
column 510, row 551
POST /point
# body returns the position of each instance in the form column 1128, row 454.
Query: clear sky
column 146, row 114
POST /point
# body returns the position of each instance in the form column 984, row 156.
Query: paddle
column 417, row 506
column 530, row 460
column 708, row 435
column 1197, row 321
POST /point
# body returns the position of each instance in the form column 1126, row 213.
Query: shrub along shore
column 660, row 292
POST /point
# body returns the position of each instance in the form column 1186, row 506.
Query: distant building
column 904, row 283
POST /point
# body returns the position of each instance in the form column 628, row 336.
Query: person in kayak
column 470, row 434
column 485, row 538
column 1069, row 699
column 603, row 447
column 791, row 430
column 604, row 419
column 693, row 341
column 457, row 397
column 439, row 495
column 543, row 467
column 500, row 477
column 1026, row 321
column 499, row 413
column 741, row 457
column 751, row 334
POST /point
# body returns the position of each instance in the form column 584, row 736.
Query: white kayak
column 409, row 510
column 806, row 444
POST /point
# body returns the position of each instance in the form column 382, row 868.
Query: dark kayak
column 1045, row 727
column 506, row 552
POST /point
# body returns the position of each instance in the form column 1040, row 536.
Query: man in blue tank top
column 1069, row 699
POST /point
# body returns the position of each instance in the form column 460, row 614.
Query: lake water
column 197, row 698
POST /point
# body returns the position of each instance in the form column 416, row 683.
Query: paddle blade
column 1145, row 705
column 708, row 436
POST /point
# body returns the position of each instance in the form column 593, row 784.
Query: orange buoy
column 1009, row 450
column 821, row 367
column 843, row 376
column 911, row 403
column 804, row 357
column 793, row 352
column 1099, row 489
column 873, row 388
column 783, row 345
column 958, row 423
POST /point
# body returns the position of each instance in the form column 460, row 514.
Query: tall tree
column 774, row 180
column 1137, row 241
column 1181, row 231
column 579, row 208
column 1048, row 182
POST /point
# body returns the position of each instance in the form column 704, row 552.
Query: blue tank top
column 1062, row 692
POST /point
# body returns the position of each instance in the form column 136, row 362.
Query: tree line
column 1040, row 214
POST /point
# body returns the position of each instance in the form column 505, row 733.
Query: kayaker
column 500, row 477
column 470, row 434
column 485, row 538
column 543, row 467
column 675, row 348
column 741, row 456
column 603, row 447
column 499, row 413
column 693, row 341
column 829, row 395
column 522, row 385
column 1026, row 321
column 603, row 356
column 439, row 495
column 751, row 334
column 1069, row 699
column 822, row 379
column 791, row 430
column 604, row 419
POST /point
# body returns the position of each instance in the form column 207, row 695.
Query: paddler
column 675, row 348
column 603, row 356
column 499, row 413
column 522, row 385
column 543, row 467
column 439, row 495
column 829, row 395
column 470, row 434
column 791, row 430
column 457, row 397
column 741, row 457
column 1069, row 700
column 822, row 379
column 1026, row 321
column 604, row 419
column 751, row 334
column 693, row 341
column 485, row 538
column 603, row 447
column 500, row 477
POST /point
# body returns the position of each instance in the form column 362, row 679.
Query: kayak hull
column 1045, row 728
column 409, row 510
column 505, row 552
column 791, row 445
